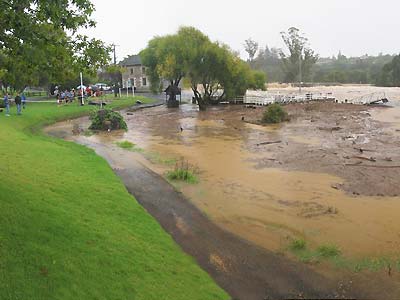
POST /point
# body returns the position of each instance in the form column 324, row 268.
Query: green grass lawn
column 70, row 230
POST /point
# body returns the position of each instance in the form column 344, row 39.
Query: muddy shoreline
column 244, row 269
column 343, row 140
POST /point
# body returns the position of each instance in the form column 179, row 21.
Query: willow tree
column 170, row 57
column 40, row 44
column 213, row 70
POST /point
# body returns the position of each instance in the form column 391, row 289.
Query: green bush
column 275, row 114
column 107, row 119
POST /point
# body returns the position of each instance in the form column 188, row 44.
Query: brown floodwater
column 268, row 206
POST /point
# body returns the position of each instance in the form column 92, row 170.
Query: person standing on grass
column 18, row 101
column 7, row 104
column 23, row 98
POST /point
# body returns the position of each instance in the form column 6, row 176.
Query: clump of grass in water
column 155, row 157
column 333, row 254
column 129, row 146
column 88, row 133
column 298, row 244
column 299, row 248
column 125, row 145
column 184, row 172
column 328, row 251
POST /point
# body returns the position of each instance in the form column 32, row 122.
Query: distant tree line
column 341, row 69
column 281, row 66
column 390, row 74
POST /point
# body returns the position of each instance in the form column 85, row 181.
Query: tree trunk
column 174, row 89
column 199, row 99
column 202, row 104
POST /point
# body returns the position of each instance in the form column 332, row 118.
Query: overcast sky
column 355, row 27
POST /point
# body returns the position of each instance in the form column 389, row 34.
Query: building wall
column 136, row 74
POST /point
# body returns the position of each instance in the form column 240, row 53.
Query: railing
column 284, row 99
column 370, row 98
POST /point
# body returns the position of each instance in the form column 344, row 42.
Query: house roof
column 131, row 60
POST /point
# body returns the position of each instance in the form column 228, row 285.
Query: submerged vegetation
column 297, row 244
column 328, row 251
column 129, row 146
column 331, row 253
column 183, row 171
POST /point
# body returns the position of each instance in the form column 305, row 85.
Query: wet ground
column 313, row 183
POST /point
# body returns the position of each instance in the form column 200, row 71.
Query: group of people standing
column 20, row 101
column 70, row 95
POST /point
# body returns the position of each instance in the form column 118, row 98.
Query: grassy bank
column 70, row 230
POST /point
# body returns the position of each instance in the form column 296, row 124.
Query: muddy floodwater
column 270, row 194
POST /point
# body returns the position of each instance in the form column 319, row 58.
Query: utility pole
column 300, row 57
column 115, row 55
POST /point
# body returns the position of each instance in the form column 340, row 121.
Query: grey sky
column 355, row 27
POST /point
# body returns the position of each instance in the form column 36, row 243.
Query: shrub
column 107, row 119
column 275, row 114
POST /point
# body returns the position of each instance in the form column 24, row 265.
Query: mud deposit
column 313, row 183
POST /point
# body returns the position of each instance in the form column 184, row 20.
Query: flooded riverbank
column 314, row 183
column 249, row 190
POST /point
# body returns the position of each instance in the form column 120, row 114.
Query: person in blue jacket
column 7, row 104
column 23, row 98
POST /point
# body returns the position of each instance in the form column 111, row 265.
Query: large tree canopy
column 300, row 56
column 213, row 70
column 39, row 43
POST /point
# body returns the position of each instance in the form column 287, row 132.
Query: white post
column 127, row 87
column 82, row 89
column 133, row 87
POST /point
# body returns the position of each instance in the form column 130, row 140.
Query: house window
column 144, row 81
column 131, row 71
column 143, row 70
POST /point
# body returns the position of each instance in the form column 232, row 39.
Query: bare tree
column 300, row 58
column 251, row 48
